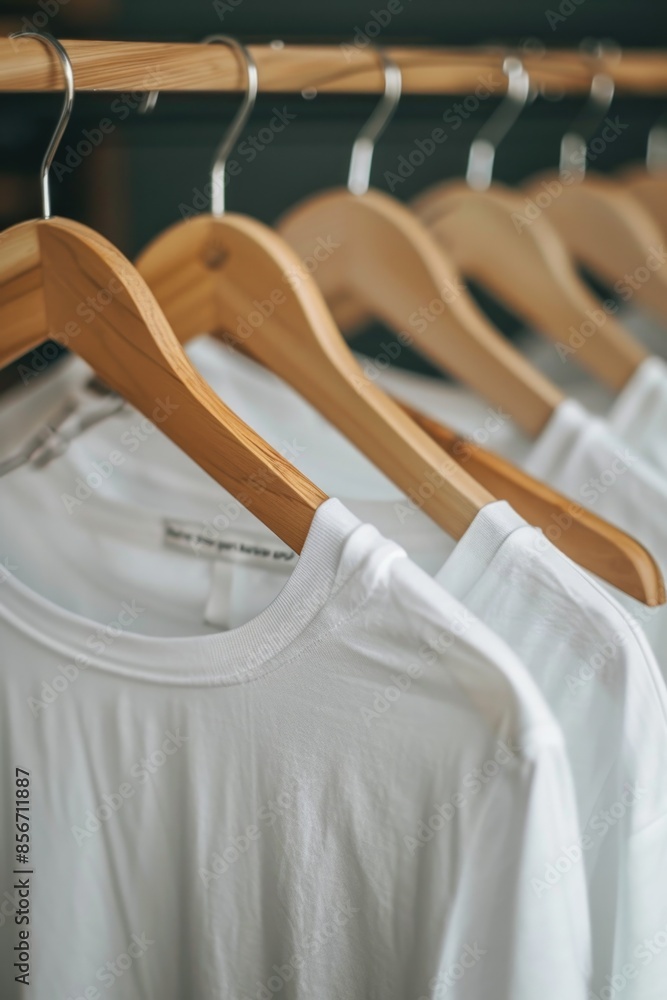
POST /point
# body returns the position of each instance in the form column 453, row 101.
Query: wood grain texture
column 522, row 260
column 27, row 65
column 229, row 276
column 207, row 274
column 393, row 267
column 494, row 238
column 201, row 275
column 611, row 233
column 586, row 538
column 61, row 266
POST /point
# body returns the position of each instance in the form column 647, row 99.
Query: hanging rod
column 27, row 65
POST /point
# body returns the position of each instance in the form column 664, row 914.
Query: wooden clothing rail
column 27, row 64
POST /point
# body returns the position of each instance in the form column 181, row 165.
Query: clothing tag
column 244, row 550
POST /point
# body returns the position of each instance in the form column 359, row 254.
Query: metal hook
column 481, row 157
column 65, row 113
column 574, row 144
column 238, row 122
column 359, row 176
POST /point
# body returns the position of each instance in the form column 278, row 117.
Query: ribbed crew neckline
column 232, row 657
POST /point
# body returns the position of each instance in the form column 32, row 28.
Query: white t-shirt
column 576, row 453
column 347, row 796
column 581, row 456
column 639, row 413
column 593, row 667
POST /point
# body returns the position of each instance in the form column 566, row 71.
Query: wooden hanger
column 529, row 269
column 200, row 274
column 650, row 189
column 532, row 272
column 521, row 259
column 227, row 276
column 481, row 225
column 600, row 220
column 587, row 539
column 194, row 305
column 612, row 234
column 231, row 275
column 648, row 181
column 386, row 259
column 50, row 267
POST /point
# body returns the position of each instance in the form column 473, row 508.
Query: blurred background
column 148, row 171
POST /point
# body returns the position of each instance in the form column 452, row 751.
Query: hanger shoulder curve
column 587, row 539
column 609, row 231
column 219, row 260
column 650, row 188
column 261, row 301
column 390, row 264
column 524, row 262
column 78, row 282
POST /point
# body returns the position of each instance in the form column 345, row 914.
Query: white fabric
column 581, row 456
column 589, row 661
column 347, row 796
column 603, row 685
column 645, row 327
column 639, row 414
